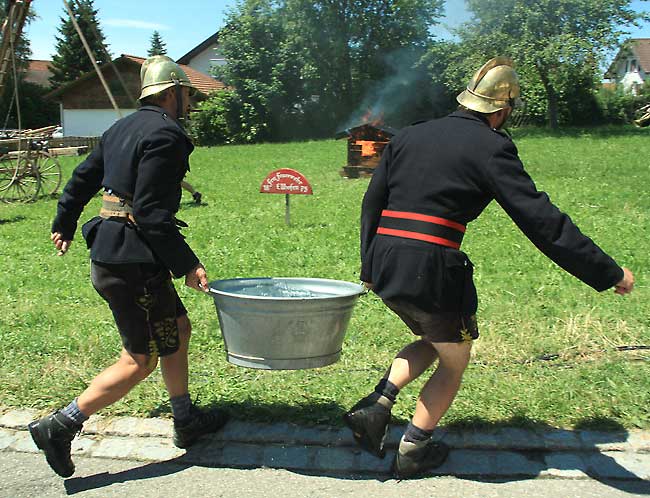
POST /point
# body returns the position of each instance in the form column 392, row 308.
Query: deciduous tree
column 308, row 64
column 554, row 42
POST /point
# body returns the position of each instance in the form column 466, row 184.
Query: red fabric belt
column 422, row 227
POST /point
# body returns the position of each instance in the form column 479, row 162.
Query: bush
column 618, row 106
column 225, row 119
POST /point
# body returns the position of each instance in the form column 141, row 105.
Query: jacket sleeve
column 545, row 225
column 374, row 201
column 85, row 183
column 156, row 199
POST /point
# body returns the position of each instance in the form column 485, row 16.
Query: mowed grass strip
column 549, row 351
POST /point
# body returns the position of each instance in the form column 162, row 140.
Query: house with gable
column 205, row 56
column 85, row 108
column 631, row 66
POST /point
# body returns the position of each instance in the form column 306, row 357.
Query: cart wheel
column 19, row 180
column 49, row 171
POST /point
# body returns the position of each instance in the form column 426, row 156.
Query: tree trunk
column 552, row 110
column 552, row 99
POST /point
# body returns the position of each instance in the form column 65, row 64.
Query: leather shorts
column 437, row 326
column 144, row 303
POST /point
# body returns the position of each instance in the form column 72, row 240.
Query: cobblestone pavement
column 501, row 453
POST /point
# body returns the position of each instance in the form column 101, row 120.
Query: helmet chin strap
column 180, row 115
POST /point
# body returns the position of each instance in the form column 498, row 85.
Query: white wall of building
column 89, row 122
column 207, row 59
column 629, row 74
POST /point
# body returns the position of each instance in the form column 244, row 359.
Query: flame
column 373, row 119
column 367, row 147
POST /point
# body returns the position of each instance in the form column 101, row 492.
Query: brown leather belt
column 423, row 227
column 116, row 207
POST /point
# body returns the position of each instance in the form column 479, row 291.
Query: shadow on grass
column 307, row 414
column 15, row 219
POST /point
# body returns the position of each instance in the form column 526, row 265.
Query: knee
column 140, row 366
column 454, row 369
column 454, row 360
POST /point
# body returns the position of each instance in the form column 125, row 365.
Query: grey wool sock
column 414, row 434
column 181, row 407
column 73, row 413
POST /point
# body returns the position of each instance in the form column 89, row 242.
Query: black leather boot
column 201, row 422
column 54, row 434
column 369, row 420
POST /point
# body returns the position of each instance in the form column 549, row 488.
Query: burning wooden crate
column 366, row 143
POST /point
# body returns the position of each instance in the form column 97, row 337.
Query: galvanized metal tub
column 284, row 323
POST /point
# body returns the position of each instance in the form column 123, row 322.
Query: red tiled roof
column 36, row 65
column 202, row 82
column 39, row 72
column 641, row 47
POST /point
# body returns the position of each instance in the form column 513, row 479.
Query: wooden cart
column 30, row 171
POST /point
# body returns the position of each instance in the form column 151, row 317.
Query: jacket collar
column 162, row 111
column 154, row 108
column 470, row 115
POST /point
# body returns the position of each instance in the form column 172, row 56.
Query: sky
column 128, row 25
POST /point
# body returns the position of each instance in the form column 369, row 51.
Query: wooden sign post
column 286, row 181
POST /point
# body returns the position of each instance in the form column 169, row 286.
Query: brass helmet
column 159, row 73
column 493, row 87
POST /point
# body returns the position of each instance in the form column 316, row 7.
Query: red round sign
column 285, row 181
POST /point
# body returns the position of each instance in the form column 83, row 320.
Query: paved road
column 27, row 475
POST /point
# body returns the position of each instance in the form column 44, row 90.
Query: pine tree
column 158, row 46
column 71, row 59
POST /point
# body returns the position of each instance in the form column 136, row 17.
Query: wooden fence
column 11, row 144
column 90, row 142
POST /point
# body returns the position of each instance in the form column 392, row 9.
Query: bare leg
column 370, row 417
column 115, row 382
column 195, row 193
column 441, row 389
column 411, row 362
column 187, row 186
column 174, row 367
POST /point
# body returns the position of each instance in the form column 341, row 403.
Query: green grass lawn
column 548, row 347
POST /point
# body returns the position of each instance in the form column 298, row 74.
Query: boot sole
column 363, row 438
column 42, row 444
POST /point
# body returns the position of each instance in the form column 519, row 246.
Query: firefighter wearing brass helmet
column 434, row 179
column 165, row 74
column 135, row 248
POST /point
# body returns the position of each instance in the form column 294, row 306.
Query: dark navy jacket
column 144, row 157
column 452, row 168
